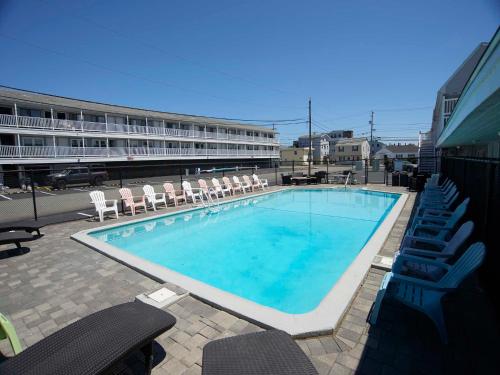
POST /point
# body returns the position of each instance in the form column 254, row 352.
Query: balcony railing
column 42, row 152
column 109, row 128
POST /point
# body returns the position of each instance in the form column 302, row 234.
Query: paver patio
column 60, row 281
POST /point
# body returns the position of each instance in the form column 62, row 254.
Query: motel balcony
column 61, row 152
column 81, row 126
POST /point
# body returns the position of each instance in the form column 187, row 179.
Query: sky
column 253, row 60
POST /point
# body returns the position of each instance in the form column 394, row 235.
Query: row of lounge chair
column 170, row 195
column 431, row 261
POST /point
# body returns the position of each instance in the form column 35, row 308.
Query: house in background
column 320, row 144
column 399, row 151
column 335, row 136
column 352, row 149
column 298, row 155
column 376, row 146
column 446, row 100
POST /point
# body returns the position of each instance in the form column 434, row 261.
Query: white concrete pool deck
column 323, row 319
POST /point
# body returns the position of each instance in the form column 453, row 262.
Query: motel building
column 47, row 131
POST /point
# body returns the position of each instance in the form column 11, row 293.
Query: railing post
column 15, row 114
column 121, row 185
column 33, row 195
column 276, row 173
column 52, row 118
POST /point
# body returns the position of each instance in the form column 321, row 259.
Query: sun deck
column 59, row 281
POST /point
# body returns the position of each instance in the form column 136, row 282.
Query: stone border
column 323, row 319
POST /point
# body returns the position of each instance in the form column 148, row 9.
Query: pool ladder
column 347, row 180
column 210, row 202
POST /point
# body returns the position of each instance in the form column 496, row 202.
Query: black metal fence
column 479, row 179
column 39, row 192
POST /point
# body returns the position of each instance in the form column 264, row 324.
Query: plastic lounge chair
column 223, row 190
column 441, row 217
column 94, row 344
column 440, row 204
column 171, row 194
column 101, row 205
column 154, row 198
column 7, row 331
column 190, row 193
column 131, row 201
column 433, row 249
column 205, row 189
column 229, row 186
column 438, row 228
column 261, row 181
column 247, row 183
column 430, row 213
column 424, row 295
column 243, row 186
column 261, row 353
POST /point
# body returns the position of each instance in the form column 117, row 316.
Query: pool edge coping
column 322, row 320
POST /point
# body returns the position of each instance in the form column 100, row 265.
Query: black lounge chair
column 15, row 237
column 94, row 344
column 29, row 226
column 261, row 353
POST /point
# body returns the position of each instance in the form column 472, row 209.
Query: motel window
column 32, row 141
column 98, row 143
column 30, row 112
column 295, row 152
column 399, row 156
column 355, row 148
column 96, row 118
column 341, row 148
column 77, row 142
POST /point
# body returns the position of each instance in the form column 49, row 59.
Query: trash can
column 403, row 179
column 395, row 179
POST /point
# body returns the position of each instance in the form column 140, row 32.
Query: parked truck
column 81, row 175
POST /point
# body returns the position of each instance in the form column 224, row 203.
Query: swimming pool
column 283, row 251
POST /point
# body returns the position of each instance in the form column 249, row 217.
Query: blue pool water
column 284, row 250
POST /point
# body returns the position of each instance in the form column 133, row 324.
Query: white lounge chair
column 222, row 189
column 433, row 249
column 243, row 186
column 190, row 193
column 430, row 214
column 424, row 295
column 208, row 192
column 171, row 194
column 262, row 182
column 229, row 185
column 250, row 183
column 101, row 204
column 154, row 198
column 131, row 201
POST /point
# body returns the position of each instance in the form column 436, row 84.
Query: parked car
column 82, row 175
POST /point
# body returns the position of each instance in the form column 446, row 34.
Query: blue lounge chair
column 424, row 295
column 437, row 227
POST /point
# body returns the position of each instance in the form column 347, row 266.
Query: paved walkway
column 60, row 281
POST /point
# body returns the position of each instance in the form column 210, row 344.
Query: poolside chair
column 16, row 237
column 208, row 192
column 261, row 353
column 92, row 345
column 133, row 202
column 262, row 182
column 229, row 185
column 222, row 189
column 29, row 226
column 425, row 295
column 154, row 198
column 438, row 227
column 433, row 249
column 431, row 194
column 445, row 204
column 171, row 194
column 431, row 213
column 248, row 184
column 243, row 186
column 101, row 205
column 190, row 193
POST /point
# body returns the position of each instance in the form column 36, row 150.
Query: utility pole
column 371, row 133
column 310, row 142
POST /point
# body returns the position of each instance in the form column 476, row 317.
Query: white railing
column 28, row 152
column 88, row 126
